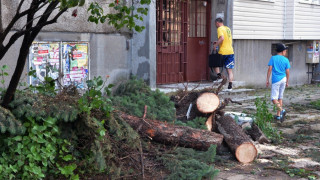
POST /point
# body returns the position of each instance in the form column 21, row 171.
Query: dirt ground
column 297, row 156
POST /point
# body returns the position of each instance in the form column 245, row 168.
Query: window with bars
column 169, row 24
column 197, row 18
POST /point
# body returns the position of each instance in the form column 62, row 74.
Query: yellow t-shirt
column 226, row 46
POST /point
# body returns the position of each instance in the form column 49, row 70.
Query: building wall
column 110, row 54
column 307, row 18
column 111, row 51
column 144, row 48
column 258, row 19
column 252, row 57
column 66, row 22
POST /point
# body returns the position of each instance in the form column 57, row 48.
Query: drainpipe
column 228, row 13
column 285, row 19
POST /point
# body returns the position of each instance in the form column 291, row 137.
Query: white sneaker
column 217, row 81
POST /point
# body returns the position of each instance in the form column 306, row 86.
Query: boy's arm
column 216, row 43
column 287, row 75
column 268, row 75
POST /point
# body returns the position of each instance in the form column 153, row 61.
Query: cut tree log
column 207, row 102
column 256, row 134
column 237, row 140
column 171, row 134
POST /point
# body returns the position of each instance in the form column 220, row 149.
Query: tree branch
column 34, row 7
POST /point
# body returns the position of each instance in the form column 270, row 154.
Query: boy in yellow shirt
column 225, row 49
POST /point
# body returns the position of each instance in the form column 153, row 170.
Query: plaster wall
column 252, row 57
column 144, row 48
column 66, row 22
column 109, row 54
column 219, row 8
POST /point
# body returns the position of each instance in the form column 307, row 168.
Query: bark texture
column 257, row 135
column 175, row 135
column 237, row 140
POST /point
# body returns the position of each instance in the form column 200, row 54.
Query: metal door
column 182, row 40
column 198, row 39
column 171, row 40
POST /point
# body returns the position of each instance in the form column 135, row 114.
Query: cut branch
column 237, row 140
column 171, row 134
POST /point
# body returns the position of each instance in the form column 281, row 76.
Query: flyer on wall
column 75, row 63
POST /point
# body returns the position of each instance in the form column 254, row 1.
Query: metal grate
column 171, row 40
column 197, row 21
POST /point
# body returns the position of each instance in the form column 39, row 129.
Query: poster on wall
column 67, row 62
column 75, row 63
column 44, row 58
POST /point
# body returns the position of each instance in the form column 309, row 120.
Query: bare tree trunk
column 29, row 35
column 171, row 134
column 237, row 140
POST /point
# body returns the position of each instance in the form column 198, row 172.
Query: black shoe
column 219, row 76
column 230, row 85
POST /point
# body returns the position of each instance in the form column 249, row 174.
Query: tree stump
column 237, row 140
column 207, row 102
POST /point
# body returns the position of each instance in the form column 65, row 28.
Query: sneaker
column 283, row 115
column 230, row 86
column 219, row 76
column 278, row 118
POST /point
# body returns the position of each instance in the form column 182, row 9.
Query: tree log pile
column 220, row 127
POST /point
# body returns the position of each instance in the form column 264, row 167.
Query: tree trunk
column 236, row 139
column 24, row 51
column 26, row 43
column 257, row 135
column 176, row 135
column 207, row 102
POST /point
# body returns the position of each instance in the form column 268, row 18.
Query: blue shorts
column 228, row 61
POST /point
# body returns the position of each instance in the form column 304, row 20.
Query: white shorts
column 277, row 89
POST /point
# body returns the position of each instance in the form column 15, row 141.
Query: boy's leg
column 279, row 107
column 217, row 70
column 281, row 91
column 275, row 97
column 229, row 65
column 230, row 74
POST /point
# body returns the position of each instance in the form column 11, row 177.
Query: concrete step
column 168, row 88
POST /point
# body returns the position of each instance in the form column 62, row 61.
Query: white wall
column 276, row 19
column 307, row 20
column 258, row 19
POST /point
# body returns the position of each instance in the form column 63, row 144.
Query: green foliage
column 93, row 99
column 3, row 74
column 185, row 163
column 198, row 123
column 70, row 3
column 28, row 104
column 47, row 86
column 8, row 123
column 315, row 104
column 132, row 96
column 263, row 119
column 291, row 171
column 32, row 155
column 124, row 16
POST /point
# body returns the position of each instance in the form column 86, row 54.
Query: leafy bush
column 263, row 119
column 8, row 123
column 132, row 96
column 35, row 154
column 186, row 163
